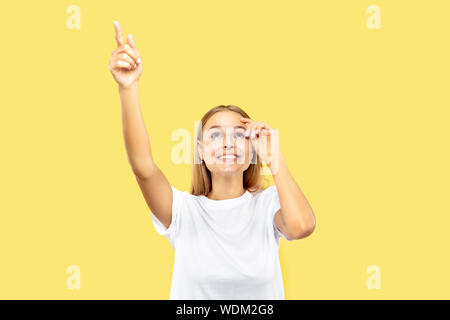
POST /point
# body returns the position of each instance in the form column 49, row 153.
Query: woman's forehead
column 224, row 119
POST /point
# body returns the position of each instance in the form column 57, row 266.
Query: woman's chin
column 228, row 168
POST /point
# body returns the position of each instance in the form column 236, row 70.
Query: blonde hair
column 201, row 176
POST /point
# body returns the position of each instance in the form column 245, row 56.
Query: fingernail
column 115, row 22
column 139, row 60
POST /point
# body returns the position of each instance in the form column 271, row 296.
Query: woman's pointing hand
column 125, row 63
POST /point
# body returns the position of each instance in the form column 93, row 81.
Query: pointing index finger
column 119, row 37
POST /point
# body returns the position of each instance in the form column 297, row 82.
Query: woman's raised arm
column 126, row 67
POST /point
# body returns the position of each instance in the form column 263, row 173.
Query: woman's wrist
column 128, row 87
column 276, row 161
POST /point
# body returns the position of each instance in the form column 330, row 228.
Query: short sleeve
column 171, row 231
column 274, row 205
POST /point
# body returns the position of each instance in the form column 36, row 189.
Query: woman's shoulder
column 185, row 193
column 266, row 189
column 264, row 192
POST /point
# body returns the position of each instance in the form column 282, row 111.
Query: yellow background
column 363, row 117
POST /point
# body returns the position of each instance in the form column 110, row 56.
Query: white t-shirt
column 225, row 249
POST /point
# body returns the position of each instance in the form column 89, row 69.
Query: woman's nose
column 229, row 140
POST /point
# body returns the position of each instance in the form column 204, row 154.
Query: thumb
column 254, row 144
column 133, row 46
column 131, row 41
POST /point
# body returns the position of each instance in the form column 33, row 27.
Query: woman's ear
column 199, row 151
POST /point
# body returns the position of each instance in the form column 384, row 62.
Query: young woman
column 226, row 231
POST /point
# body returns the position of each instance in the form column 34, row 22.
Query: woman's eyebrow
column 217, row 126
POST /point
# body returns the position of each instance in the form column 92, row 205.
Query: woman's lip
column 223, row 155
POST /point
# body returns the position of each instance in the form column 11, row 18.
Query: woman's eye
column 236, row 135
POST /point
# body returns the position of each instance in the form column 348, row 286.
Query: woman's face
column 225, row 149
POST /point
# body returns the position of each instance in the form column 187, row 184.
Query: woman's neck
column 224, row 188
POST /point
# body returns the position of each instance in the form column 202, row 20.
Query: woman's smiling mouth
column 228, row 157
